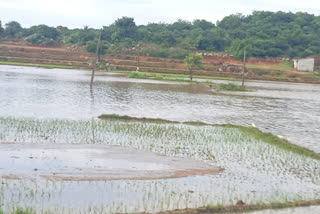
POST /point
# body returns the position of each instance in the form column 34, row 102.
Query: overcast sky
column 96, row 13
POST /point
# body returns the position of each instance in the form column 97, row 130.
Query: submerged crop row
column 254, row 171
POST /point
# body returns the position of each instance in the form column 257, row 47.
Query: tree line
column 261, row 34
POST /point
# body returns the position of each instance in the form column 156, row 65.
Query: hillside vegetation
column 262, row 34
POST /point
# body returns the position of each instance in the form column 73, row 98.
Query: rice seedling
column 258, row 168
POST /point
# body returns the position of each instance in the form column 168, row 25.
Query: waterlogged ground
column 62, row 108
column 287, row 109
column 254, row 171
column 78, row 162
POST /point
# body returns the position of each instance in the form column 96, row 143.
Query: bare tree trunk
column 94, row 62
column 191, row 74
column 244, row 66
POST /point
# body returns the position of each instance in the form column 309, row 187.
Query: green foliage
column 193, row 61
column 44, row 31
column 138, row 75
column 289, row 64
column 14, row 29
column 158, row 77
column 317, row 74
column 1, row 30
column 22, row 211
column 38, row 39
column 125, row 27
column 231, row 87
column 91, row 47
column 261, row 34
column 166, row 53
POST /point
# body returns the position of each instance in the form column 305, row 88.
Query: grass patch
column 158, row 77
column 21, row 211
column 137, row 75
column 317, row 74
column 288, row 64
column 231, row 87
column 285, row 66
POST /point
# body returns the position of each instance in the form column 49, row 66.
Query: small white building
column 304, row 64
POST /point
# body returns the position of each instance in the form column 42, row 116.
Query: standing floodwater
column 287, row 109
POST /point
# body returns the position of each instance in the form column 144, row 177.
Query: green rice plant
column 246, row 155
column 23, row 211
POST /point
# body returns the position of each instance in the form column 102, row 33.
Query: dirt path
column 93, row 162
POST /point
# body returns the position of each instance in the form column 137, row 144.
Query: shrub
column 158, row 77
column 137, row 75
column 231, row 87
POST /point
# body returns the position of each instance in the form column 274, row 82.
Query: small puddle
column 93, row 162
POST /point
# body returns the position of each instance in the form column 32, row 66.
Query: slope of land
column 15, row 53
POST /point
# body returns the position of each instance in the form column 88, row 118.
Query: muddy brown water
column 290, row 110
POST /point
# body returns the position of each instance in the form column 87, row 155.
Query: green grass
column 285, row 66
column 20, row 211
column 137, row 75
column 231, row 87
column 159, row 77
column 288, row 64
column 317, row 74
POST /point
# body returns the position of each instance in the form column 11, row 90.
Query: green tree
column 203, row 24
column 45, row 31
column 125, row 28
column 1, row 29
column 193, row 61
column 91, row 47
column 14, row 29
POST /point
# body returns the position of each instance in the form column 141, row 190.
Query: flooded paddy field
column 290, row 110
column 55, row 109
column 253, row 170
